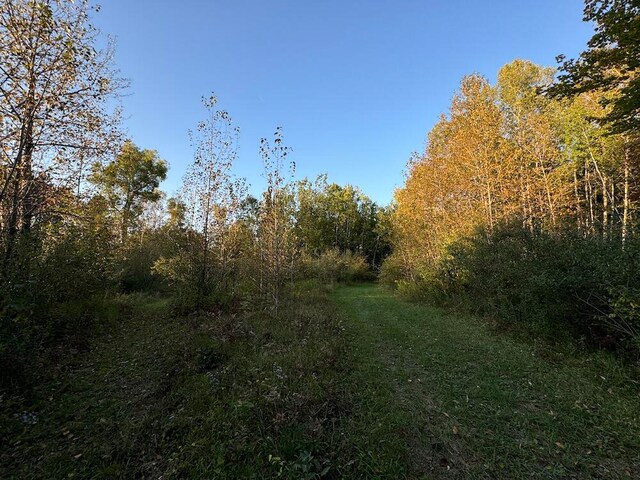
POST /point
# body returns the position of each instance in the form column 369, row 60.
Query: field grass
column 242, row 395
column 471, row 403
column 353, row 384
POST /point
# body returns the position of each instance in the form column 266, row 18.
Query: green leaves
column 611, row 62
column 129, row 181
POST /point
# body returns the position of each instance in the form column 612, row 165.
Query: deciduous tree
column 56, row 89
column 276, row 241
column 212, row 194
column 611, row 62
column 129, row 181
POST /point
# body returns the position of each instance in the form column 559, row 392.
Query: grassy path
column 450, row 398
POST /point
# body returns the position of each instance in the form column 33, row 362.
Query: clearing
column 356, row 384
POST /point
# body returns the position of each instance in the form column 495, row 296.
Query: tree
column 276, row 242
column 176, row 210
column 611, row 62
column 56, row 89
column 508, row 155
column 531, row 133
column 211, row 194
column 129, row 181
column 330, row 216
column 598, row 192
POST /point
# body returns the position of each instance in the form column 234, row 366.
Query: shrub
column 392, row 271
column 183, row 274
column 554, row 283
column 51, row 292
column 334, row 266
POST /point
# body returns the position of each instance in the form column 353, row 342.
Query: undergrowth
column 210, row 395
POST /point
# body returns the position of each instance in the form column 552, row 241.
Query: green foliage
column 622, row 317
column 181, row 271
column 393, row 271
column 553, row 283
column 329, row 216
column 136, row 273
column 137, row 259
column 610, row 63
column 182, row 276
column 334, row 266
column 54, row 285
column 76, row 264
column 129, row 181
column 420, row 283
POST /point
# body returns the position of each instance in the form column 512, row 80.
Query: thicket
column 556, row 284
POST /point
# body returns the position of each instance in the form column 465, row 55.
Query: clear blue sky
column 356, row 84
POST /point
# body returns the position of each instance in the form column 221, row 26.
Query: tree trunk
column 576, row 192
column 22, row 180
column 605, row 206
column 625, row 202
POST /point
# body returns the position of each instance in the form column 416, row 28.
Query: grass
column 242, row 395
column 457, row 400
column 356, row 384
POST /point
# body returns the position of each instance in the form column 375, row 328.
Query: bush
column 554, row 283
column 136, row 272
column 183, row 273
column 392, row 271
column 53, row 288
column 136, row 269
column 334, row 266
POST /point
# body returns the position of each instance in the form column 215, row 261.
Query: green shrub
column 52, row 289
column 334, row 266
column 556, row 284
column 392, row 271
column 223, row 289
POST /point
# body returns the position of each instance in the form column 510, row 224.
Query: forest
column 484, row 324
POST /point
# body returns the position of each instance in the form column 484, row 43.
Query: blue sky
column 356, row 84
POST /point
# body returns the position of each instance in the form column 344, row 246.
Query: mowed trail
column 447, row 397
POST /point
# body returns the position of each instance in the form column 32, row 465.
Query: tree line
column 525, row 201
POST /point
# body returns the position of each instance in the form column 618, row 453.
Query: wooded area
column 523, row 209
column 525, row 203
column 83, row 217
